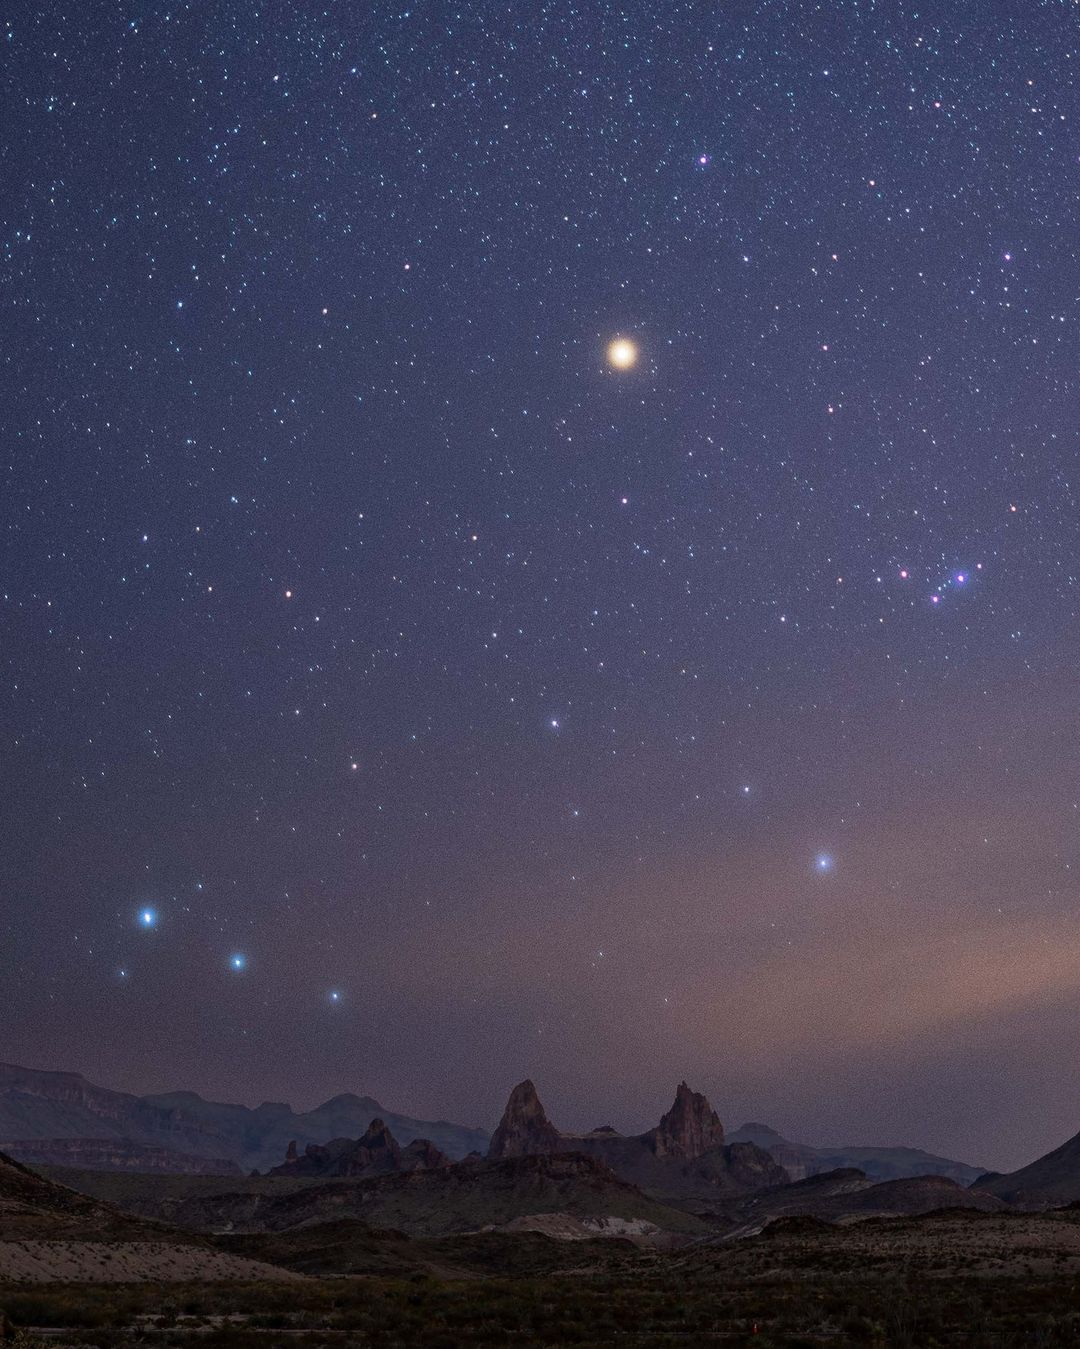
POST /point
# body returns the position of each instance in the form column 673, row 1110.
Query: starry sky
column 404, row 692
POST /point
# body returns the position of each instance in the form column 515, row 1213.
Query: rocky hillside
column 800, row 1160
column 459, row 1197
column 51, row 1234
column 1048, row 1182
column 32, row 1207
column 38, row 1106
column 845, row 1195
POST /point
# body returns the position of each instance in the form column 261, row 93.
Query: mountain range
column 800, row 1160
column 71, row 1115
column 62, row 1119
column 680, row 1180
column 684, row 1157
column 357, row 1201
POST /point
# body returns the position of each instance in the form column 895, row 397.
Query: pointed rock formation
column 377, row 1153
column 524, row 1129
column 421, row 1155
column 378, row 1149
column 683, row 1156
column 689, row 1129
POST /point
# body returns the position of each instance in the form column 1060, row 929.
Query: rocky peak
column 690, row 1128
column 422, row 1155
column 376, row 1153
column 379, row 1142
column 524, row 1128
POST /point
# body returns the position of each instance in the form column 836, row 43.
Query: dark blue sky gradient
column 312, row 459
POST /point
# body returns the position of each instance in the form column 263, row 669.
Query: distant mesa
column 105, row 1154
column 63, row 1119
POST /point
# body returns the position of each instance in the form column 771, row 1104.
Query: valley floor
column 945, row 1279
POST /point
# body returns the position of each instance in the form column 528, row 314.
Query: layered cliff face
column 37, row 1107
column 53, row 1106
column 684, row 1156
column 104, row 1154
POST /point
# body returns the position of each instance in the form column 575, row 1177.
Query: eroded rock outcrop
column 684, row 1156
column 525, row 1130
column 689, row 1129
column 377, row 1153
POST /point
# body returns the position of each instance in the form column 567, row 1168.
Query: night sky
column 400, row 695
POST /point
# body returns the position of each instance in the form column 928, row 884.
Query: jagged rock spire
column 524, row 1128
column 690, row 1128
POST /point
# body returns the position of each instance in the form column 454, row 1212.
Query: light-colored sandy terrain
column 568, row 1227
column 125, row 1262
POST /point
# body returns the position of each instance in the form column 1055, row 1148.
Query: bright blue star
column 148, row 918
column 823, row 862
column 335, row 996
column 238, row 961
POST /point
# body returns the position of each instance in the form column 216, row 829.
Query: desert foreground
column 982, row 1279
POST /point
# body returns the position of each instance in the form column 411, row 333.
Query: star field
column 543, row 541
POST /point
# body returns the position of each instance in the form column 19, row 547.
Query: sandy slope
column 125, row 1262
column 568, row 1227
